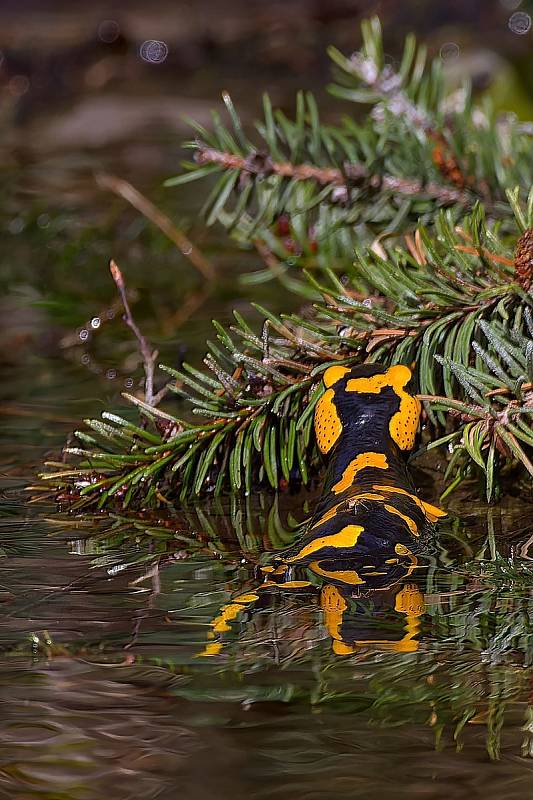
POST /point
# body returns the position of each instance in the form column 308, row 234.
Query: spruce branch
column 452, row 297
column 456, row 312
column 311, row 192
column 338, row 179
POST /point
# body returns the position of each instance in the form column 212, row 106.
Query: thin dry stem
column 149, row 356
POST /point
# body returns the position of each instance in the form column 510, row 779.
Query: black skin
column 365, row 427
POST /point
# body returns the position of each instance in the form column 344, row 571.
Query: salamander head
column 367, row 398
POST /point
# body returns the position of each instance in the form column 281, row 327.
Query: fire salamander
column 369, row 521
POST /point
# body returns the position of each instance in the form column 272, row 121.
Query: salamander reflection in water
column 384, row 611
column 369, row 523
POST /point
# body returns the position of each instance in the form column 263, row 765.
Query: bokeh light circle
column 520, row 22
column 153, row 51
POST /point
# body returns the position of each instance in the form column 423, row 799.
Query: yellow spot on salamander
column 246, row 598
column 350, row 505
column 347, row 537
column 432, row 512
column 328, row 426
column 348, row 576
column 410, row 601
column 360, row 462
column 372, row 385
column 402, row 550
column 334, row 374
column 411, row 524
column 333, row 605
column 396, row 377
column 364, row 496
column 404, row 424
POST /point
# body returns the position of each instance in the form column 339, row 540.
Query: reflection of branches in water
column 61, row 736
column 474, row 627
column 472, row 668
column 229, row 526
column 154, row 577
column 158, row 543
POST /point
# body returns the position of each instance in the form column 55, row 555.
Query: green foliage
column 451, row 299
column 310, row 192
column 450, row 309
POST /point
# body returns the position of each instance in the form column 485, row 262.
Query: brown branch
column 191, row 303
column 264, row 166
column 523, row 260
column 132, row 195
column 483, row 252
column 149, row 356
column 504, row 390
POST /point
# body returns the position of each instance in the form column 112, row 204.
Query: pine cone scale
column 523, row 259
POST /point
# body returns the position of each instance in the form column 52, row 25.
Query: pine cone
column 523, row 259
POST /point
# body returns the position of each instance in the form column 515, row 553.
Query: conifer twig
column 263, row 166
column 454, row 302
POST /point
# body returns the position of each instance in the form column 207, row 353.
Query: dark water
column 101, row 682
column 103, row 688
